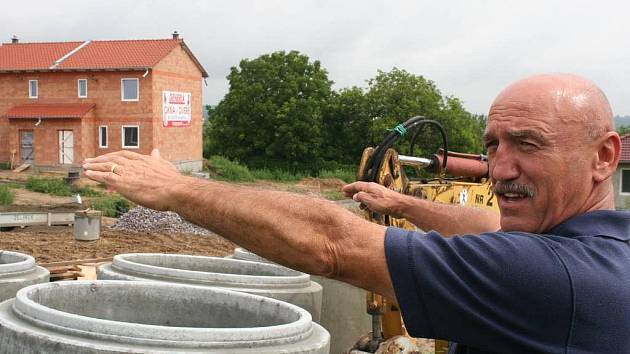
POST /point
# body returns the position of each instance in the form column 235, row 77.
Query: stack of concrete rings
column 99, row 317
column 256, row 278
column 19, row 270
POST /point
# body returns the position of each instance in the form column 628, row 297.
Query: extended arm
column 312, row 235
column 447, row 219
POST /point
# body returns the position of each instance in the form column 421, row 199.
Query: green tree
column 272, row 115
column 395, row 96
column 623, row 129
column 347, row 125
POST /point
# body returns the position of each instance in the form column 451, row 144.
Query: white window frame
column 79, row 88
column 123, row 136
column 100, row 136
column 122, row 89
column 621, row 192
column 30, row 93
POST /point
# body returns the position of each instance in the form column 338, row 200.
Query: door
column 66, row 147
column 26, row 146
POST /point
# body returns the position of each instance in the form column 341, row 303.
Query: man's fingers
column 353, row 188
column 128, row 154
column 102, row 166
column 362, row 197
column 117, row 157
column 102, row 177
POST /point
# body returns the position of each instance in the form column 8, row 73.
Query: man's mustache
column 515, row 188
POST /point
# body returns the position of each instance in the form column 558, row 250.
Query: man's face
column 538, row 163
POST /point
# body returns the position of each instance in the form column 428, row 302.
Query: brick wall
column 176, row 72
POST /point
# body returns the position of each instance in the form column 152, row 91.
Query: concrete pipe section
column 343, row 308
column 251, row 277
column 18, row 270
column 152, row 317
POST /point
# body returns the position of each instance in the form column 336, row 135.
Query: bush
column 4, row 166
column 57, row 186
column 112, row 206
column 224, row 169
column 6, row 195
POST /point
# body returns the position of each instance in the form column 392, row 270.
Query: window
column 102, row 136
column 32, row 89
column 130, row 89
column 130, row 136
column 625, row 181
column 82, row 88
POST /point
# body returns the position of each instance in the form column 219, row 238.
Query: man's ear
column 608, row 154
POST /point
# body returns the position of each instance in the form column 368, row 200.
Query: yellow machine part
column 391, row 174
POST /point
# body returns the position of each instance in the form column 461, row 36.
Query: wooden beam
column 76, row 261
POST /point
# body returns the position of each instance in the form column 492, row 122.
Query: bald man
column 553, row 280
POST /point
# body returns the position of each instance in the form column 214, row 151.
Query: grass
column 277, row 175
column 112, row 206
column 5, row 166
column 347, row 175
column 57, row 186
column 334, row 195
column 226, row 170
column 223, row 169
column 6, row 195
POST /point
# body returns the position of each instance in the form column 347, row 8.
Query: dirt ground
column 57, row 243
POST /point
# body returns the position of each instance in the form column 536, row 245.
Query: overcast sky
column 470, row 49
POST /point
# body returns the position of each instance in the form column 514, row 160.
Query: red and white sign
column 176, row 108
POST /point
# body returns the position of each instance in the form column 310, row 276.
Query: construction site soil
column 57, row 243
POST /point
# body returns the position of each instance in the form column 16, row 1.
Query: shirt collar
column 607, row 223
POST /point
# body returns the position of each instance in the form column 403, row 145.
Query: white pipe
column 60, row 60
column 39, row 120
column 145, row 73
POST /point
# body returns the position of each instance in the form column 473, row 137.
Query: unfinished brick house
column 65, row 101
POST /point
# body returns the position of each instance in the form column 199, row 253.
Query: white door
column 66, row 147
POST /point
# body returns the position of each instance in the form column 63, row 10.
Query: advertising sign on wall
column 176, row 108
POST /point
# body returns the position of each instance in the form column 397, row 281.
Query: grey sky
column 471, row 49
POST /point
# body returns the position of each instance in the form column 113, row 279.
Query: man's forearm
column 448, row 219
column 312, row 235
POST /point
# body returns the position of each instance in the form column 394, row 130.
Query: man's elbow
column 326, row 262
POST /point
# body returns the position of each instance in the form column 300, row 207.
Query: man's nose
column 504, row 165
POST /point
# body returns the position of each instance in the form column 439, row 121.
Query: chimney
column 15, row 39
column 175, row 35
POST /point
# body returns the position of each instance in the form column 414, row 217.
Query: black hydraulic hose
column 444, row 140
column 372, row 168
column 371, row 171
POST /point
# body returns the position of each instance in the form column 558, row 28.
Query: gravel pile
column 141, row 219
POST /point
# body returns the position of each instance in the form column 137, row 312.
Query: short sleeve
column 495, row 291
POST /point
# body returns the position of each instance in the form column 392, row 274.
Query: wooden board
column 77, row 261
column 22, row 167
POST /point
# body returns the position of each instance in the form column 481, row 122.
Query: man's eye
column 528, row 145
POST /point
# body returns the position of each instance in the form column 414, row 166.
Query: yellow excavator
column 444, row 177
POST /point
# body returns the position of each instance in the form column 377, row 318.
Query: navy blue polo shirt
column 567, row 291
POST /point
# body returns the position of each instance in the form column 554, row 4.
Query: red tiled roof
column 59, row 110
column 91, row 55
column 625, row 148
column 120, row 54
column 33, row 56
